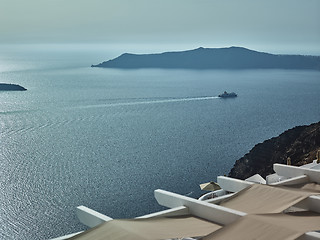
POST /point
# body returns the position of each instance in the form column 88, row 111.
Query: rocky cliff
column 300, row 144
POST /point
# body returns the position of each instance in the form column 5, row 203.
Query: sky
column 279, row 26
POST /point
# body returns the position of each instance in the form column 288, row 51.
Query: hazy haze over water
column 286, row 26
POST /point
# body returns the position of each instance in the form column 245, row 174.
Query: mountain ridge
column 213, row 58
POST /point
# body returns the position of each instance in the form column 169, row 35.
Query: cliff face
column 300, row 144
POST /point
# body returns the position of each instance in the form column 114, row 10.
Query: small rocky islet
column 11, row 87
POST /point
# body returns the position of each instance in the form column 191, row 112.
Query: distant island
column 213, row 58
column 11, row 87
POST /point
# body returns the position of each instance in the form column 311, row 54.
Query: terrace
column 285, row 205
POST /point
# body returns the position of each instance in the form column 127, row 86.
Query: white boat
column 227, row 95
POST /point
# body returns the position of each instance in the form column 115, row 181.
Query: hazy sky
column 278, row 25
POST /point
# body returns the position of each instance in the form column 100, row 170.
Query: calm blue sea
column 107, row 138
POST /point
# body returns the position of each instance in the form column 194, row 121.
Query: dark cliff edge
column 11, row 87
column 213, row 58
column 300, row 144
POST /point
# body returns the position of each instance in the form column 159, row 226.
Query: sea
column 107, row 138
